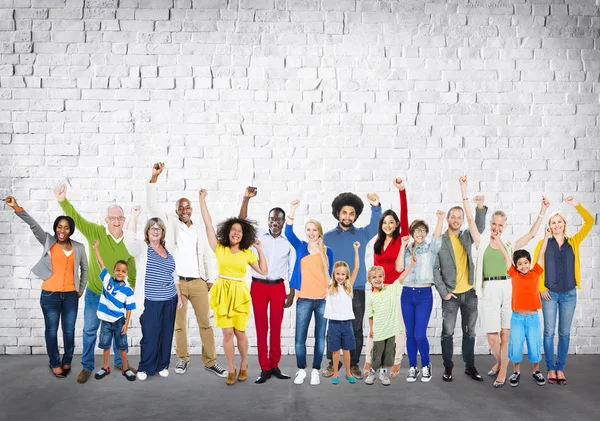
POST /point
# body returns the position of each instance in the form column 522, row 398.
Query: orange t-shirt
column 526, row 289
column 63, row 271
column 314, row 285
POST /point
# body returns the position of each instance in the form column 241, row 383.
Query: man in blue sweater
column 346, row 208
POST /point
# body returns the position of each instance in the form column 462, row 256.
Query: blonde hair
column 500, row 213
column 150, row 224
column 334, row 286
column 319, row 227
column 564, row 218
column 374, row 269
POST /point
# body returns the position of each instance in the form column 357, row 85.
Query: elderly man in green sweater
column 112, row 249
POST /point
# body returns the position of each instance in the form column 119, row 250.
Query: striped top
column 116, row 298
column 382, row 307
column 159, row 282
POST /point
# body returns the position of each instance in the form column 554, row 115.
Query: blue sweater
column 341, row 242
column 301, row 251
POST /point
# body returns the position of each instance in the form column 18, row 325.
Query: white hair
column 114, row 206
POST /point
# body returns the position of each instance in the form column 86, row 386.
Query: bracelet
column 541, row 216
column 289, row 217
column 465, row 198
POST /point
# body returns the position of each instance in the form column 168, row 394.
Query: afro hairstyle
column 346, row 199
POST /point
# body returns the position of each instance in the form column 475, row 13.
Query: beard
column 345, row 224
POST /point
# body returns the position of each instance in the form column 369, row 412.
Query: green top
column 382, row 307
column 493, row 263
column 110, row 250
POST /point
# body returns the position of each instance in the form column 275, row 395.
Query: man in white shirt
column 268, row 292
column 196, row 268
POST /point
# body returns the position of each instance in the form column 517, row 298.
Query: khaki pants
column 400, row 342
column 196, row 292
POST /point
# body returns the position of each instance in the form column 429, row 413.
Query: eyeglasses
column 116, row 218
column 155, row 230
column 420, row 231
column 275, row 219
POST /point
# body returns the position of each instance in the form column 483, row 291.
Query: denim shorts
column 340, row 336
column 525, row 328
column 110, row 330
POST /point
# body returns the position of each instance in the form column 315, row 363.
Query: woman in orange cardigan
column 558, row 286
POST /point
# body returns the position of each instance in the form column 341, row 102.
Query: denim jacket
column 425, row 253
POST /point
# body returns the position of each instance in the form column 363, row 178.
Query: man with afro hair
column 346, row 208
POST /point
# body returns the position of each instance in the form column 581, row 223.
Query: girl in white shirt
column 338, row 309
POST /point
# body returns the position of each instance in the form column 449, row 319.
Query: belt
column 231, row 278
column 267, row 281
column 496, row 278
column 185, row 278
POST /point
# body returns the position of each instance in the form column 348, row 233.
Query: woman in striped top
column 230, row 295
column 157, row 294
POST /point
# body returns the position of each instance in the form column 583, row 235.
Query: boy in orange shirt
column 525, row 322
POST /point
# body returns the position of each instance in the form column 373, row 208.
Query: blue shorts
column 340, row 336
column 525, row 328
column 110, row 330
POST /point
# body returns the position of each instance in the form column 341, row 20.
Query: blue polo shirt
column 341, row 243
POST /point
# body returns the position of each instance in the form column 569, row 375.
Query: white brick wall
column 311, row 98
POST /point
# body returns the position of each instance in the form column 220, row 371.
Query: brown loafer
column 356, row 372
column 230, row 380
column 243, row 376
column 83, row 376
column 328, row 372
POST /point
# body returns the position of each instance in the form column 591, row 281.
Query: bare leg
column 105, row 355
column 346, row 363
column 336, row 362
column 228, row 348
column 504, row 334
column 242, row 344
column 536, row 367
column 517, row 367
column 124, row 359
column 494, row 344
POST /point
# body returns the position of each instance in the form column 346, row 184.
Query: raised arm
column 154, row 209
column 211, row 235
column 371, row 229
column 522, row 242
column 437, row 233
column 540, row 258
column 261, row 265
column 354, row 273
column 249, row 193
column 95, row 245
column 588, row 220
column 411, row 265
column 289, row 225
column 324, row 260
column 134, row 246
column 480, row 212
column 468, row 213
column 399, row 184
column 36, row 229
column 399, row 265
column 84, row 226
column 507, row 259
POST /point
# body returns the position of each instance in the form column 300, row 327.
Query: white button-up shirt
column 280, row 255
column 186, row 251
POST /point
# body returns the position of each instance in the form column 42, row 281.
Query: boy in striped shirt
column 114, row 311
column 384, row 320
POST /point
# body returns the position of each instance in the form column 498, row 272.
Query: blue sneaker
column 351, row 379
column 335, row 380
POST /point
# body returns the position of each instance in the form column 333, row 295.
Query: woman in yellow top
column 230, row 296
column 559, row 284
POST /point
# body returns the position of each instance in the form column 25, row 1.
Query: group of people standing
column 181, row 260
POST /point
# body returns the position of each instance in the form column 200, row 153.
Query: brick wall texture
column 304, row 99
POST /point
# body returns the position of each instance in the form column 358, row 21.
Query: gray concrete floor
column 28, row 391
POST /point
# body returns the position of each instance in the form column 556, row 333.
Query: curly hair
column 346, row 199
column 249, row 232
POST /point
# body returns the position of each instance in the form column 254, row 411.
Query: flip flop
column 561, row 382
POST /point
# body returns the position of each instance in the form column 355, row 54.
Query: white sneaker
column 300, row 376
column 370, row 377
column 141, row 375
column 427, row 372
column 413, row 372
column 315, row 377
column 385, row 380
column 164, row 372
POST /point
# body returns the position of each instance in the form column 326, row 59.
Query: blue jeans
column 417, row 304
column 304, row 309
column 110, row 331
column 59, row 306
column 91, row 323
column 525, row 328
column 563, row 304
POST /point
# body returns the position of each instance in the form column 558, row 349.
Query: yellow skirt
column 230, row 302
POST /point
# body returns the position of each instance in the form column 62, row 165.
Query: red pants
column 262, row 295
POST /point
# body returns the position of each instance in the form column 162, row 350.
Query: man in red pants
column 268, row 292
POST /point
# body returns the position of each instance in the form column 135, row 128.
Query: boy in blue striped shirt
column 114, row 310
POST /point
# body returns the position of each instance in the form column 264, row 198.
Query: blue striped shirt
column 159, row 281
column 116, row 298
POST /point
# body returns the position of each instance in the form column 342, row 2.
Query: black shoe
column 264, row 376
column 277, row 373
column 472, row 371
column 447, row 376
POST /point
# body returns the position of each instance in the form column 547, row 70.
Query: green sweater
column 110, row 250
